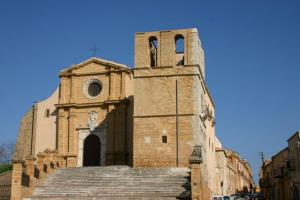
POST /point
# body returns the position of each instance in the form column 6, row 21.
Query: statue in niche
column 93, row 120
column 153, row 52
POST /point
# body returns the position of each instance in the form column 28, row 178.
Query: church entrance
column 91, row 151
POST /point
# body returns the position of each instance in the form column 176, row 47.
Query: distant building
column 293, row 164
column 5, row 185
column 234, row 174
column 280, row 176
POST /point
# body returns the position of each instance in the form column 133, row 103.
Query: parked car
column 227, row 198
column 217, row 198
column 222, row 198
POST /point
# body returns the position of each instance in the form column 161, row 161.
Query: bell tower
column 169, row 94
column 168, row 48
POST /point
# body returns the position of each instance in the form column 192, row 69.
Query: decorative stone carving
column 93, row 120
column 207, row 115
column 196, row 156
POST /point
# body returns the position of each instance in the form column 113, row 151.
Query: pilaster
column 72, row 132
column 110, row 135
column 123, row 85
column 62, row 132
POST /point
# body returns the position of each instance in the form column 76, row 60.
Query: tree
column 6, row 152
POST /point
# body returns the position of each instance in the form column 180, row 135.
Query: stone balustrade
column 29, row 173
column 5, row 192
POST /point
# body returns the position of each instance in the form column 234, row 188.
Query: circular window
column 92, row 88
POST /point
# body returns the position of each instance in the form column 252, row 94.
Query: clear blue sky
column 252, row 53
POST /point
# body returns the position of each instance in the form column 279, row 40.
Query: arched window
column 179, row 50
column 153, row 51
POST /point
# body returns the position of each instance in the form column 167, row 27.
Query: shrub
column 5, row 167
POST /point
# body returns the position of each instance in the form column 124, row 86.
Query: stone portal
column 91, row 147
column 91, row 151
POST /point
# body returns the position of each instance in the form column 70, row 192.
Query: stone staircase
column 115, row 182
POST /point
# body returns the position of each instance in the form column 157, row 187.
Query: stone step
column 114, row 182
column 102, row 192
column 132, row 178
column 103, row 184
column 107, row 198
column 119, row 190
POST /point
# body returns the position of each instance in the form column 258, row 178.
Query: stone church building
column 152, row 115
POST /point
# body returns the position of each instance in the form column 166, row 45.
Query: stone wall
column 280, row 177
column 234, row 172
column 23, row 147
column 45, row 127
column 166, row 104
column 294, row 162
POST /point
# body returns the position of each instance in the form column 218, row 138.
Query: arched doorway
column 295, row 193
column 91, row 151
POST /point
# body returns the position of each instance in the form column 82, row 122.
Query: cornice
column 68, row 74
column 81, row 105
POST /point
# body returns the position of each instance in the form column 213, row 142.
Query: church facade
column 106, row 113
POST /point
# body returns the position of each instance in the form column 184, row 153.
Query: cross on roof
column 94, row 49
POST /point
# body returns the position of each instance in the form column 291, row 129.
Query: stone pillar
column 71, row 160
column 30, row 166
column 47, row 161
column 195, row 161
column 40, row 164
column 166, row 45
column 61, row 161
column 54, row 159
column 16, row 187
